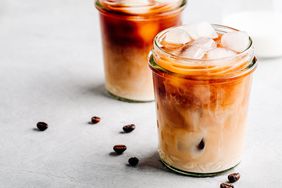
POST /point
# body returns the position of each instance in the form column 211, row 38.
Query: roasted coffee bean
column 133, row 161
column 95, row 119
column 201, row 145
column 119, row 149
column 226, row 185
column 233, row 177
column 42, row 126
column 128, row 128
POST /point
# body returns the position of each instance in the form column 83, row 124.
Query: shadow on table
column 99, row 90
column 153, row 162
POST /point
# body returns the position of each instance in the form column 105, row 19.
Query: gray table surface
column 51, row 70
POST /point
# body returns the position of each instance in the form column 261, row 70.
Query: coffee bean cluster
column 120, row 148
column 133, row 161
column 231, row 179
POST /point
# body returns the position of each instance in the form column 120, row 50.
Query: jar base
column 126, row 99
column 196, row 174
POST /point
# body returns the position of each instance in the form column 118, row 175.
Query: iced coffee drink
column 202, row 77
column 128, row 28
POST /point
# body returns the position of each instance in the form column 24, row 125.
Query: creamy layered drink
column 202, row 79
column 128, row 28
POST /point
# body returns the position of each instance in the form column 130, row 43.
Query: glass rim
column 216, row 26
column 195, row 69
column 103, row 8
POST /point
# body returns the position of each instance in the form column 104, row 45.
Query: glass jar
column 201, row 108
column 128, row 28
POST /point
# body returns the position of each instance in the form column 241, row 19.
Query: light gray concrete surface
column 51, row 70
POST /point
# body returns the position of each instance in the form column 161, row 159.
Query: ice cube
column 134, row 2
column 205, row 43
column 177, row 36
column 220, row 53
column 167, row 1
column 193, row 52
column 202, row 29
column 237, row 41
column 134, row 6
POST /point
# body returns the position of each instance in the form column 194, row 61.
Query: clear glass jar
column 128, row 28
column 201, row 108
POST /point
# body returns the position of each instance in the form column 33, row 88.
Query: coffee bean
column 42, row 126
column 95, row 119
column 119, row 149
column 128, row 128
column 233, row 177
column 133, row 161
column 201, row 145
column 226, row 185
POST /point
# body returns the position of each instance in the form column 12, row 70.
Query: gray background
column 51, row 70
